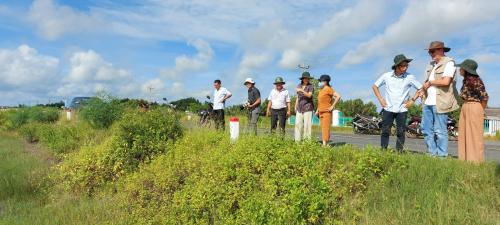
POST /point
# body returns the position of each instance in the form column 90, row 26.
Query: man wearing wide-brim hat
column 252, row 105
column 304, row 107
column 279, row 105
column 398, row 84
column 440, row 98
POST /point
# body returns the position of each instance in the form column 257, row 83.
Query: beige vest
column 446, row 96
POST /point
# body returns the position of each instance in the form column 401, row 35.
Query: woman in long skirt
column 470, row 127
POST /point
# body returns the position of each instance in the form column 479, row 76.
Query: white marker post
column 234, row 128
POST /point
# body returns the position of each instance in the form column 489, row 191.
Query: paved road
column 492, row 148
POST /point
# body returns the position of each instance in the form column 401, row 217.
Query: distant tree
column 351, row 107
column 189, row 104
column 53, row 105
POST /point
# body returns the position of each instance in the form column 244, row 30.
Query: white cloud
column 487, row 58
column 23, row 68
column 90, row 66
column 90, row 73
column 188, row 64
column 423, row 21
column 153, row 86
column 341, row 24
column 53, row 20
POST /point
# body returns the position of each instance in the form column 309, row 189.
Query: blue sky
column 55, row 49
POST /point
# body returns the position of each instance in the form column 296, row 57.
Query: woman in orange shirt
column 326, row 104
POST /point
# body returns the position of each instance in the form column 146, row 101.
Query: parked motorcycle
column 414, row 128
column 366, row 124
column 207, row 116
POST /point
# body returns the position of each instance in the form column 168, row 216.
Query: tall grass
column 206, row 179
column 25, row 199
column 435, row 191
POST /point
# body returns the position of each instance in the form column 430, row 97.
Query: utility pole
column 303, row 67
column 151, row 88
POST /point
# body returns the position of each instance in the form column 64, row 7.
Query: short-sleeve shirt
column 325, row 100
column 305, row 104
column 279, row 99
column 218, row 96
column 473, row 89
column 449, row 71
column 397, row 90
column 253, row 95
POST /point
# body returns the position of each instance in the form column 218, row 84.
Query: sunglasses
column 404, row 65
column 431, row 51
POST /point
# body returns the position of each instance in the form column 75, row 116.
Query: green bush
column 30, row 132
column 14, row 119
column 207, row 180
column 58, row 138
column 101, row 112
column 64, row 138
column 136, row 138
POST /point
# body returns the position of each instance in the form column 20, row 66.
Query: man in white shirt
column 221, row 94
column 440, row 99
column 279, row 105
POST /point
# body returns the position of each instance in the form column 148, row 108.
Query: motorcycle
column 414, row 128
column 207, row 116
column 366, row 125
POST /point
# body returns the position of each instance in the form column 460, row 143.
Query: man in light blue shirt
column 398, row 84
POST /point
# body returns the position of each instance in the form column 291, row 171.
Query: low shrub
column 207, row 180
column 18, row 117
column 65, row 138
column 30, row 132
column 58, row 138
column 137, row 138
column 101, row 112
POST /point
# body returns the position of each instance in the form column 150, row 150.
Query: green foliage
column 136, row 138
column 20, row 172
column 351, row 107
column 30, row 132
column 14, row 119
column 59, row 138
column 436, row 191
column 189, row 104
column 207, row 180
column 57, row 105
column 101, row 111
column 415, row 110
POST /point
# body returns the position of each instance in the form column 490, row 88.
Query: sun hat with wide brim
column 469, row 65
column 400, row 59
column 279, row 80
column 248, row 80
column 438, row 45
column 306, row 74
column 325, row 77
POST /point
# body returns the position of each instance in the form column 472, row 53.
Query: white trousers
column 303, row 124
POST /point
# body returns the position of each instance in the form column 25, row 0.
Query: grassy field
column 26, row 196
column 344, row 184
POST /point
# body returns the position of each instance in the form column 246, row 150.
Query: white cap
column 249, row 80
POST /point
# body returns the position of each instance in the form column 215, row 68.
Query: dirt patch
column 39, row 152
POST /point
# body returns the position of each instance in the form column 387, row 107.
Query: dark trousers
column 387, row 121
column 219, row 119
column 278, row 115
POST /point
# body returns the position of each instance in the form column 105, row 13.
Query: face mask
column 321, row 84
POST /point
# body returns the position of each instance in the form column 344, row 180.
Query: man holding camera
column 252, row 105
